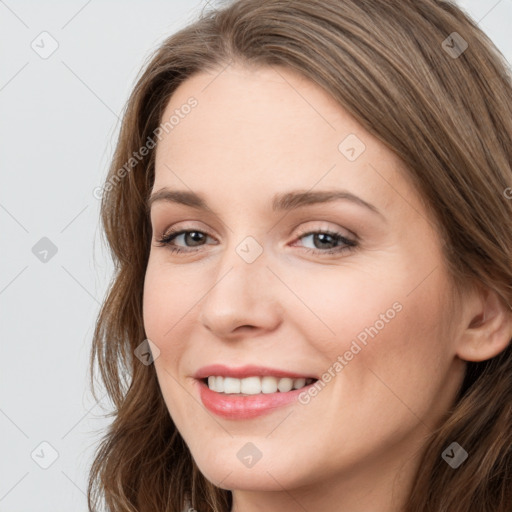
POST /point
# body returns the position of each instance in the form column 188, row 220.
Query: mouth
column 255, row 385
column 249, row 391
column 248, row 397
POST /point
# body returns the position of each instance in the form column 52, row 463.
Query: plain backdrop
column 66, row 71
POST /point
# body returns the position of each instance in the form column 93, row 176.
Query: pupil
column 194, row 235
column 322, row 236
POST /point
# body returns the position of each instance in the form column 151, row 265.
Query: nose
column 243, row 298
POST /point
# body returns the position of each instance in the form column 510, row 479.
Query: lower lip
column 238, row 407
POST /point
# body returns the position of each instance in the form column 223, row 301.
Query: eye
column 192, row 236
column 327, row 242
column 324, row 241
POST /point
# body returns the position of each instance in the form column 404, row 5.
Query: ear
column 488, row 326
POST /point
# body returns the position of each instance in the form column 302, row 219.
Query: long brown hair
column 445, row 109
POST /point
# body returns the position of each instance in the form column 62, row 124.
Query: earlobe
column 489, row 329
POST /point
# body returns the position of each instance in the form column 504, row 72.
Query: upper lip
column 241, row 372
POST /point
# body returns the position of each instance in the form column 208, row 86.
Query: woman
column 309, row 210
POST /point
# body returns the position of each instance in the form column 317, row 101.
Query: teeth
column 299, row 383
column 249, row 385
column 255, row 385
column 231, row 385
column 268, row 385
column 285, row 385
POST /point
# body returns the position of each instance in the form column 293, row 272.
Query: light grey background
column 59, row 122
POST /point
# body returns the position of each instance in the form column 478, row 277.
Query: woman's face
column 352, row 291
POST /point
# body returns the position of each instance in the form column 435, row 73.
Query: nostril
column 248, row 327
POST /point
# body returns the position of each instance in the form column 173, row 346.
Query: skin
column 356, row 445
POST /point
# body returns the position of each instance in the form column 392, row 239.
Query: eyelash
column 166, row 239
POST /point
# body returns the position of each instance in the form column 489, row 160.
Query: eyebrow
column 280, row 202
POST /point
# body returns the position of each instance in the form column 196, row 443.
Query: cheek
column 167, row 299
column 404, row 358
column 350, row 306
column 384, row 328
column 170, row 294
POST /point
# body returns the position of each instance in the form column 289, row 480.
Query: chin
column 234, row 477
column 224, row 469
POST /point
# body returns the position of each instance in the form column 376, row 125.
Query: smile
column 255, row 385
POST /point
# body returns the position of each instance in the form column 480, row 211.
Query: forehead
column 264, row 129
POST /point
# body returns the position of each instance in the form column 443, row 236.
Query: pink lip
column 238, row 407
column 246, row 371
